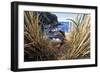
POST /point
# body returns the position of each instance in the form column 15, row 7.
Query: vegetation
column 76, row 44
column 35, row 46
column 79, row 39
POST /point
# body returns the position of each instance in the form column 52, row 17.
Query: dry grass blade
column 80, row 40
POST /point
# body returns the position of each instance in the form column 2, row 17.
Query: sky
column 64, row 16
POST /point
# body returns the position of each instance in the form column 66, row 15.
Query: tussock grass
column 35, row 46
column 79, row 39
column 76, row 44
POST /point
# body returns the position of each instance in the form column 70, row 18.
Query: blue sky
column 64, row 16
